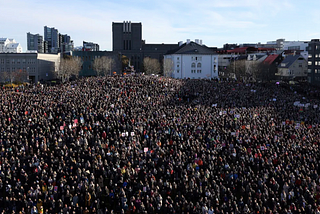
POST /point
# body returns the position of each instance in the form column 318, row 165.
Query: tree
column 69, row 67
column 17, row 76
column 265, row 72
column 168, row 67
column 103, row 65
column 236, row 69
column 151, row 66
column 124, row 62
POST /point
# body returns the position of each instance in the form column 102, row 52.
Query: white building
column 9, row 46
column 295, row 45
column 193, row 60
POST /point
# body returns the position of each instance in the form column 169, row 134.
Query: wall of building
column 14, row 62
column 35, row 42
column 183, row 66
column 88, row 57
column 37, row 66
column 314, row 62
column 298, row 69
column 48, row 66
column 9, row 46
column 295, row 45
column 127, row 39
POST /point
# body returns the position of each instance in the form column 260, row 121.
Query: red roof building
column 270, row 59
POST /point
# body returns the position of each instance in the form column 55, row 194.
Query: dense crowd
column 147, row 144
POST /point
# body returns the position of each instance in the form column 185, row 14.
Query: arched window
column 193, row 65
column 199, row 65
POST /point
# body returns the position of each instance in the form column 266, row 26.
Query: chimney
column 180, row 43
column 197, row 41
column 188, row 41
column 127, row 26
column 200, row 41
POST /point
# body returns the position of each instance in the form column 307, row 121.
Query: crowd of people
column 147, row 144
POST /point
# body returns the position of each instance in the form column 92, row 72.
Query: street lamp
column 27, row 74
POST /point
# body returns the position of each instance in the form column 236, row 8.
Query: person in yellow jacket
column 88, row 200
column 44, row 188
column 41, row 210
column 39, row 204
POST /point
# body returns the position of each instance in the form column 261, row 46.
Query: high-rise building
column 314, row 62
column 35, row 42
column 90, row 46
column 126, row 36
column 51, row 35
column 65, row 43
column 127, row 39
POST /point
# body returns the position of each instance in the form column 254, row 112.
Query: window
column 178, row 58
column 8, row 61
column 178, row 71
column 309, row 71
column 13, row 61
column 18, row 61
column 177, row 66
column 24, row 61
column 193, row 65
column 309, row 62
column 199, row 65
column 310, row 56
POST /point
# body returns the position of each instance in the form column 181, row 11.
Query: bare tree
column 17, row 76
column 265, row 72
column 103, row 65
column 7, row 77
column 69, row 67
column 151, row 66
column 236, row 69
column 20, row 76
column 167, row 67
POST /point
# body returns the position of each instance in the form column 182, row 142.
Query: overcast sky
column 216, row 22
